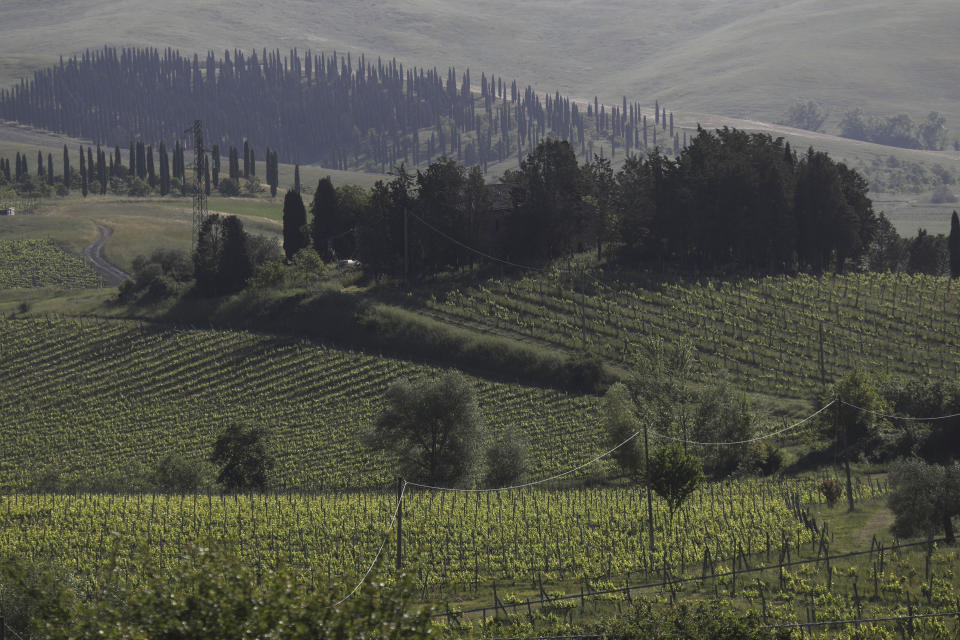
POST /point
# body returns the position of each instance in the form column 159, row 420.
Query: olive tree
column 924, row 498
column 434, row 428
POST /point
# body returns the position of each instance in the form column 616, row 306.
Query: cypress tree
column 40, row 165
column 151, row 170
column 132, row 171
column 50, row 169
column 90, row 165
column 294, row 221
column 164, row 170
column 206, row 255
column 17, row 171
column 206, row 178
column 117, row 161
column 323, row 212
column 215, row 154
column 954, row 244
column 66, row 167
column 141, row 160
column 296, row 178
column 83, row 174
column 246, row 159
column 102, row 169
column 253, row 162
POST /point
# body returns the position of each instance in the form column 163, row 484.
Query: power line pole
column 846, row 452
column 399, row 523
column 646, row 461
column 199, row 194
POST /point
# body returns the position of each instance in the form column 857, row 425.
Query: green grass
column 140, row 226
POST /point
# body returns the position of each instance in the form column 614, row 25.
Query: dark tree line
column 333, row 110
column 731, row 202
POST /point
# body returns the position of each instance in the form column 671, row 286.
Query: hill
column 743, row 59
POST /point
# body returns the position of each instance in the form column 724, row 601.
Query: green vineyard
column 40, row 263
column 765, row 334
column 89, row 397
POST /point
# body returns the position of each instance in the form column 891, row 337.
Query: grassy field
column 140, row 226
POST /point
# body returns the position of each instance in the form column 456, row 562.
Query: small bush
column 832, row 491
column 228, row 187
column 506, row 461
column 176, row 474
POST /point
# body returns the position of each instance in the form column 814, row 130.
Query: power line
column 904, row 418
column 528, row 484
column 750, row 440
column 472, row 249
column 386, row 537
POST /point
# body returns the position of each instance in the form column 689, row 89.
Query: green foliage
column 228, row 187
column 620, row 418
column 854, row 430
column 308, row 268
column 176, row 474
column 807, row 115
column 506, row 460
column 924, row 498
column 673, row 474
column 214, row 594
column 928, row 254
column 703, row 621
column 294, row 222
column 722, row 415
column 434, row 429
column 244, row 457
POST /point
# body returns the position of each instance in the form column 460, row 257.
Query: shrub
column 506, row 461
column 831, row 490
column 228, row 187
column 942, row 194
column 176, row 474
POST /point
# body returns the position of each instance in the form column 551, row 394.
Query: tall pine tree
column 83, row 174
column 66, row 167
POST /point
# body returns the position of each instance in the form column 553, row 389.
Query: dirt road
column 112, row 276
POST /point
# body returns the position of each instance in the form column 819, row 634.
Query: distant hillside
column 744, row 58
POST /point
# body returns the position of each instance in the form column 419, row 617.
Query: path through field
column 112, row 276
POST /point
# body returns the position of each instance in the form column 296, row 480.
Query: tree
column 434, row 428
column 244, row 458
column 620, row 419
column 66, row 168
column 164, row 170
column 506, row 461
column 176, row 474
column 294, row 224
column 83, row 174
column 933, row 131
column 928, row 254
column 296, row 178
column 234, row 267
column 206, row 255
column 954, row 245
column 924, row 497
column 50, row 169
column 805, row 115
column 722, row 415
column 674, row 475
column 324, row 216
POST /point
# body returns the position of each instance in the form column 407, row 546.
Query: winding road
column 112, row 276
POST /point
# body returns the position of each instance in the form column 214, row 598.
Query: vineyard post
column 646, row 462
column 399, row 523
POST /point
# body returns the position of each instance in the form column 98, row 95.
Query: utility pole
column 406, row 251
column 399, row 523
column 846, row 453
column 646, row 461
